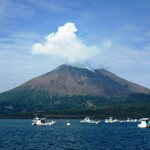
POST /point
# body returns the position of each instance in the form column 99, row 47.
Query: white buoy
column 68, row 123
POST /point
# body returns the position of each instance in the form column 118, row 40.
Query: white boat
column 88, row 120
column 42, row 122
column 111, row 120
column 131, row 120
column 145, row 123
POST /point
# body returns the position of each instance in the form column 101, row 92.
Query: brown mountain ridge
column 69, row 90
column 68, row 80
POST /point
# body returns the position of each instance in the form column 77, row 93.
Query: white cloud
column 67, row 47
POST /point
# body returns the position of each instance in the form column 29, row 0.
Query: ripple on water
column 20, row 135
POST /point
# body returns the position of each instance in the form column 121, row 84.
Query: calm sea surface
column 21, row 135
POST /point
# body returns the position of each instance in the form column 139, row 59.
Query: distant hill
column 69, row 90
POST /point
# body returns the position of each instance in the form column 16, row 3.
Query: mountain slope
column 132, row 86
column 72, row 90
column 68, row 80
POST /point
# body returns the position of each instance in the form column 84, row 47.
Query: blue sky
column 36, row 36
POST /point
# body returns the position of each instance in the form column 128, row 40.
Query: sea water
column 21, row 135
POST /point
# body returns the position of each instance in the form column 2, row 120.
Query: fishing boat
column 145, row 123
column 88, row 120
column 111, row 120
column 42, row 122
column 131, row 120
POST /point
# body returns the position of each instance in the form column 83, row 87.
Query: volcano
column 68, row 80
column 69, row 88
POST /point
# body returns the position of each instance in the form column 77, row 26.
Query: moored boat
column 131, row 120
column 145, row 123
column 88, row 120
column 42, row 122
column 111, row 120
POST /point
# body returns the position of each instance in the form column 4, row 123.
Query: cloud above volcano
column 67, row 47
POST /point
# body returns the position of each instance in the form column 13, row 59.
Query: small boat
column 42, row 122
column 111, row 120
column 88, row 120
column 131, row 120
column 145, row 123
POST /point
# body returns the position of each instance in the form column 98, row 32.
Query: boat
column 145, row 123
column 111, row 120
column 131, row 120
column 42, row 122
column 88, row 120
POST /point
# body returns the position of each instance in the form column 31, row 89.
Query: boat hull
column 145, row 123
